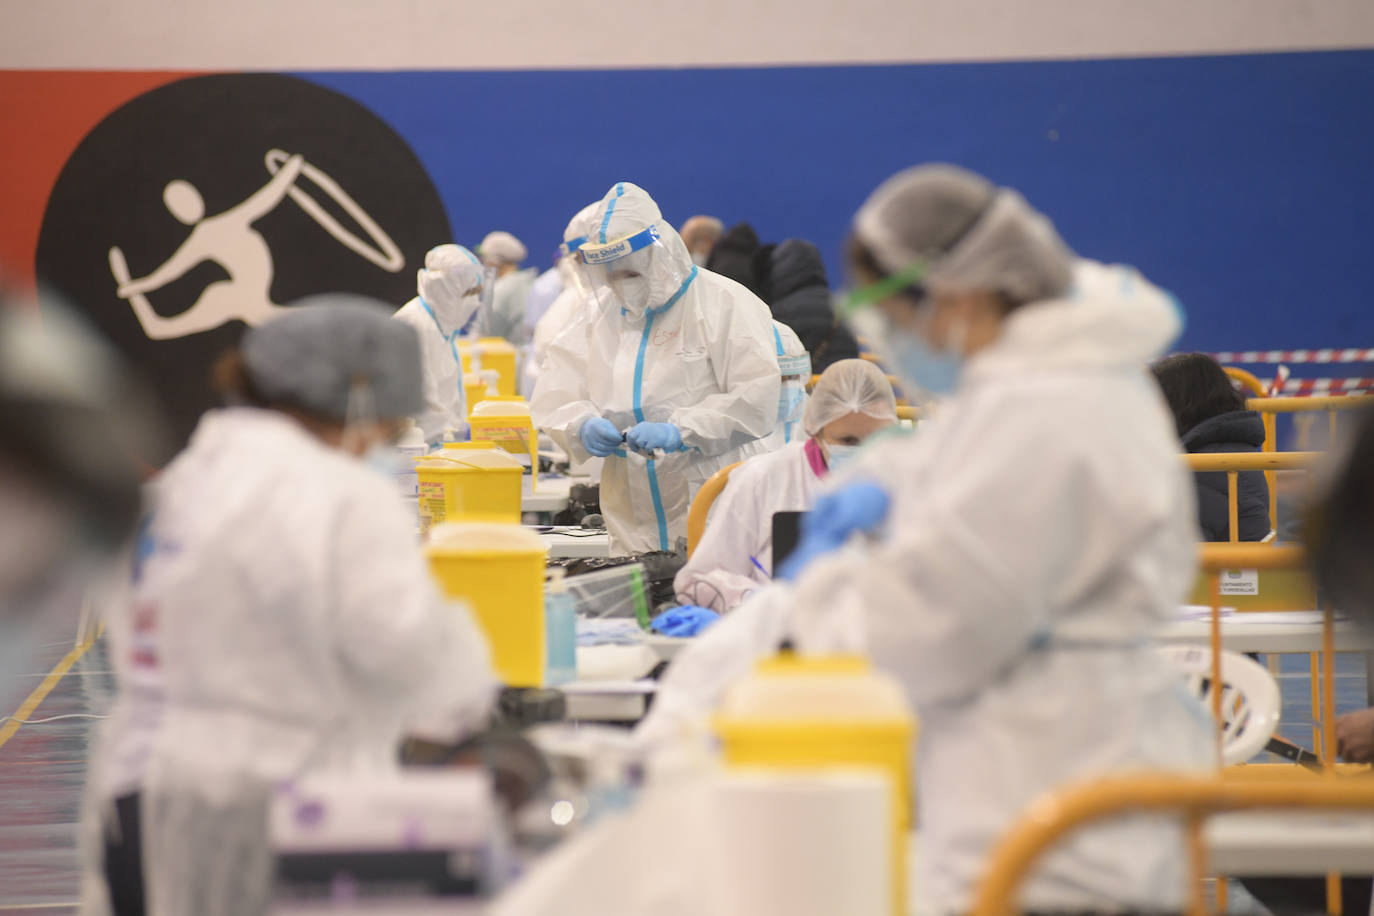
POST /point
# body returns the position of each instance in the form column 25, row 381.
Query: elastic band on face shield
column 570, row 247
column 908, row 280
column 614, row 251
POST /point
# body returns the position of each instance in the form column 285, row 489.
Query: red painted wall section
column 44, row 114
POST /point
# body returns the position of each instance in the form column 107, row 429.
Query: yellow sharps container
column 507, row 423
column 490, row 353
column 817, row 713
column 497, row 353
column 499, row 571
column 469, row 485
column 474, row 389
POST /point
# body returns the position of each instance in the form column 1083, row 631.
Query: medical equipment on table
column 468, row 485
column 617, row 591
column 499, row 571
column 825, row 713
column 394, row 838
column 560, row 615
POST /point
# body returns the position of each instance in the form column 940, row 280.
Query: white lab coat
column 1042, row 528
column 280, row 620
column 445, row 399
column 707, row 364
column 721, row 572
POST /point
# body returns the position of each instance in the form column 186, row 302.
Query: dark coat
column 736, row 255
column 1238, row 431
column 797, row 291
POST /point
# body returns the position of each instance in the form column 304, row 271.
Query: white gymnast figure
column 229, row 240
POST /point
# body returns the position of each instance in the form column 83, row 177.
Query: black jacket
column 797, row 291
column 1238, row 431
column 736, row 255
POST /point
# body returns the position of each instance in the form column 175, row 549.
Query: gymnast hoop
column 385, row 255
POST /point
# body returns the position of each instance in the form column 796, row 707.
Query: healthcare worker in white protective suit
column 676, row 377
column 450, row 290
column 794, row 370
column 503, row 253
column 278, row 619
column 852, row 402
column 1010, row 562
column 575, row 302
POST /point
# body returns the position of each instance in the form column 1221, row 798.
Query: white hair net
column 502, row 248
column 313, row 354
column 972, row 235
column 450, row 282
column 662, row 267
column 849, row 386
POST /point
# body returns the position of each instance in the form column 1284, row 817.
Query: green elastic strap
column 641, row 606
column 884, row 288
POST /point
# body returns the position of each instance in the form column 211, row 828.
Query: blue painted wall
column 1243, row 183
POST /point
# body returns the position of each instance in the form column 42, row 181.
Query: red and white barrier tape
column 1301, row 386
column 1252, row 357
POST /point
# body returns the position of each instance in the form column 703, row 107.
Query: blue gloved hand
column 859, row 506
column 599, row 436
column 647, row 437
column 687, row 620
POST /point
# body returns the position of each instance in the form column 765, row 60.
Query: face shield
column 570, row 266
column 903, row 349
column 796, row 374
column 636, row 274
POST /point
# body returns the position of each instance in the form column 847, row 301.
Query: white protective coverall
column 449, row 287
column 794, row 367
column 739, row 534
column 574, row 300
column 280, row 620
column 689, row 348
column 1041, row 530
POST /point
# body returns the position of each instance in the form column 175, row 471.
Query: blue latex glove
column 649, row 437
column 688, row 620
column 859, row 506
column 599, row 436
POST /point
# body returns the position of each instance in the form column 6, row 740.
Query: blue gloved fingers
column 687, row 620
column 649, row 437
column 860, row 506
column 599, row 436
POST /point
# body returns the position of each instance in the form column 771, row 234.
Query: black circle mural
column 208, row 204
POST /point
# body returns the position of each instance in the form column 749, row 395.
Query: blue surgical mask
column 936, row 371
column 837, row 456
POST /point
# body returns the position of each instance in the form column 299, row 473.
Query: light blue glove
column 859, row 506
column 688, row 620
column 599, row 436
column 649, row 437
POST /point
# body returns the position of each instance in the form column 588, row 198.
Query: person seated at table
column 1210, row 416
column 852, row 401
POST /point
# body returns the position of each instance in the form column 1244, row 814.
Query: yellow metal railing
column 1270, row 408
column 1247, row 380
column 1194, row 798
column 1234, row 462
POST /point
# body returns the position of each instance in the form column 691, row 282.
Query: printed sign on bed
column 1240, row 582
column 212, row 203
